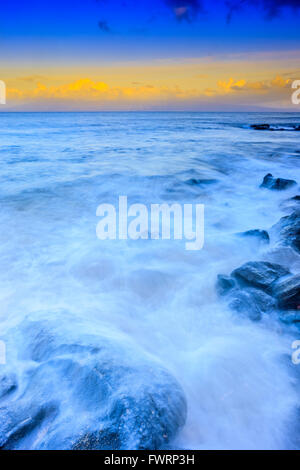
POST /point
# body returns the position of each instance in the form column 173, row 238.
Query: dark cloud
column 104, row 26
column 185, row 10
column 271, row 8
column 274, row 7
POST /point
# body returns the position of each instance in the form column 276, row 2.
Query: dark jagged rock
column 87, row 391
column 289, row 230
column 276, row 183
column 287, row 292
column 251, row 302
column 224, row 284
column 261, row 235
column 260, row 127
column 260, row 274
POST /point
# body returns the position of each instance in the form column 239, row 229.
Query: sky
column 197, row 55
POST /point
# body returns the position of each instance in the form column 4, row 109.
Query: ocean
column 151, row 297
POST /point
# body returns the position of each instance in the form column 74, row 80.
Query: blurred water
column 57, row 168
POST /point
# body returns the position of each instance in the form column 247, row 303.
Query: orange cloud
column 227, row 87
column 85, row 93
column 259, row 86
column 86, row 89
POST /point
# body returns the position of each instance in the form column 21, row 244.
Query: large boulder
column 79, row 390
column 276, row 183
column 289, row 229
column 287, row 293
column 259, row 274
column 251, row 302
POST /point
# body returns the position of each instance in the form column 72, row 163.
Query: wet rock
column 199, row 182
column 260, row 127
column 251, row 302
column 87, row 391
column 224, row 284
column 8, row 384
column 260, row 274
column 290, row 316
column 289, row 229
column 276, row 183
column 287, row 293
column 268, row 127
column 285, row 256
column 261, row 235
column 20, row 423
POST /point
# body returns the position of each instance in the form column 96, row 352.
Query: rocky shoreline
column 260, row 287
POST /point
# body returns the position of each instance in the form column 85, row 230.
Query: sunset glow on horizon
column 157, row 55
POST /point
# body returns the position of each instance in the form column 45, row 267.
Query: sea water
column 55, row 170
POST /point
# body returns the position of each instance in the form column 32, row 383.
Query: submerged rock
column 200, row 182
column 289, row 230
column 87, row 391
column 287, row 293
column 276, row 183
column 8, row 384
column 224, row 284
column 261, row 235
column 251, row 302
column 260, row 274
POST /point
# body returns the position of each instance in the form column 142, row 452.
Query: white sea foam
column 56, row 169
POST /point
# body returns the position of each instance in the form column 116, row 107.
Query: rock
column 260, row 127
column 224, row 284
column 276, row 183
column 87, row 391
column 260, row 274
column 8, row 384
column 261, row 235
column 290, row 316
column 21, row 424
column 289, row 229
column 287, row 292
column 199, row 182
column 267, row 127
column 285, row 256
column 251, row 302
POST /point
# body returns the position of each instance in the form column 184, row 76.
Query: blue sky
column 149, row 54
column 127, row 29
